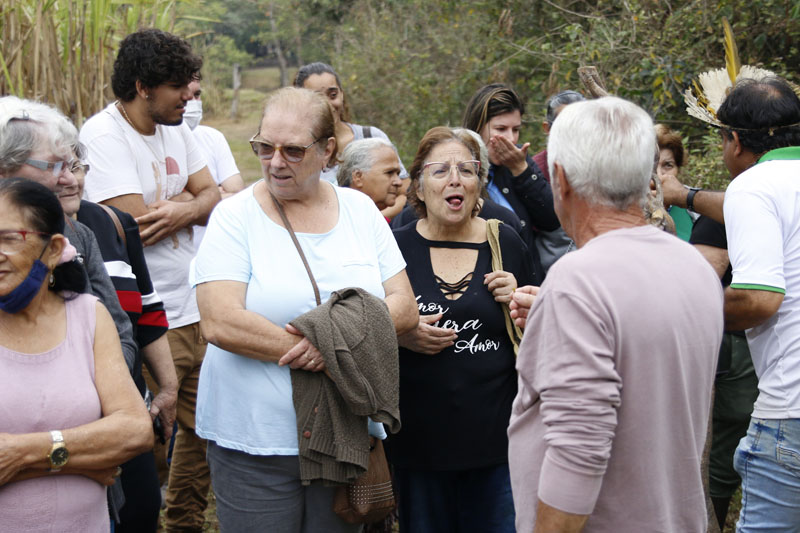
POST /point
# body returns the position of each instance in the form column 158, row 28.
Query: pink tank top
column 46, row 391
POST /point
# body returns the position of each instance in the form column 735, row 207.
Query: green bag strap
column 493, row 236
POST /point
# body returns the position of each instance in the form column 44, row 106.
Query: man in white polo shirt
column 761, row 149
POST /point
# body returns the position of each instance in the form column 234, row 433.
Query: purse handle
column 285, row 220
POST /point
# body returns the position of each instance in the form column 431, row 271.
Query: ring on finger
column 311, row 362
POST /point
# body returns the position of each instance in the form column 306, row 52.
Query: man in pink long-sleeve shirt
column 620, row 347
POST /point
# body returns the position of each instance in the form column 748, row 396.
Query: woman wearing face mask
column 321, row 78
column 70, row 412
column 515, row 181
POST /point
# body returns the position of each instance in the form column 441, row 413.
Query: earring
column 52, row 280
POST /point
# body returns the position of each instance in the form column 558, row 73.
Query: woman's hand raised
column 504, row 153
column 427, row 338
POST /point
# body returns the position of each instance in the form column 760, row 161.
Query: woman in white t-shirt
column 251, row 283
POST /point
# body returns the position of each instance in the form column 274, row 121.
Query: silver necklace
column 129, row 121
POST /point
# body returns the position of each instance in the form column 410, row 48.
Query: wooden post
column 237, row 83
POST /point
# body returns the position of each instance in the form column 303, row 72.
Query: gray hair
column 606, row 148
column 24, row 124
column 557, row 100
column 360, row 155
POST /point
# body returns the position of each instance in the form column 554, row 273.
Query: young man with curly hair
column 145, row 161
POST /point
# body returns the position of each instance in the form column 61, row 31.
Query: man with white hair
column 618, row 359
column 372, row 166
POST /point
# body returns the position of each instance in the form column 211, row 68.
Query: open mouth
column 455, row 201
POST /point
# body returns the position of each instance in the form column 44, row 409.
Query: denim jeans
column 768, row 459
column 465, row 501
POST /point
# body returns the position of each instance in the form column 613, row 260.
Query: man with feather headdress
column 760, row 127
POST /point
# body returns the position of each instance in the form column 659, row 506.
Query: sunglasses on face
column 265, row 150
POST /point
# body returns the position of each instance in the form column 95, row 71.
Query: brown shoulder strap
column 493, row 236
column 117, row 224
column 285, row 220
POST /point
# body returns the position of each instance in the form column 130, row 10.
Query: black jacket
column 532, row 199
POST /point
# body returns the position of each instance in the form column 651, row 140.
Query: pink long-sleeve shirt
column 615, row 377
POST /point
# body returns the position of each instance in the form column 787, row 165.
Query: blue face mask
column 19, row 298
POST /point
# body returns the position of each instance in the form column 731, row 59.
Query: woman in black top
column 457, row 376
column 515, row 181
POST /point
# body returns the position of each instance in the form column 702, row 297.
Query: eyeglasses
column 265, row 150
column 466, row 169
column 12, row 241
column 77, row 167
column 56, row 167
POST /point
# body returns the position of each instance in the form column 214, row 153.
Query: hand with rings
column 303, row 356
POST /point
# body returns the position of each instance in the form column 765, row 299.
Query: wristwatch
column 59, row 455
column 690, row 197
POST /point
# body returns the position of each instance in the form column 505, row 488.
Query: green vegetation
column 409, row 65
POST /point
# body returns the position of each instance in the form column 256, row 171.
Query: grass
column 238, row 131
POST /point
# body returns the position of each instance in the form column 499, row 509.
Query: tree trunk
column 276, row 45
column 237, row 83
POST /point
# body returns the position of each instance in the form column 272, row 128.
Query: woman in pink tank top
column 69, row 411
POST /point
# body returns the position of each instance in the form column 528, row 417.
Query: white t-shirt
column 762, row 222
column 245, row 404
column 220, row 160
column 122, row 161
column 329, row 174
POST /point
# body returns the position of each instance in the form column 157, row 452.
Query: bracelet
column 690, row 197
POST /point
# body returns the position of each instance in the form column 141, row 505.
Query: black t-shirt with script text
column 455, row 405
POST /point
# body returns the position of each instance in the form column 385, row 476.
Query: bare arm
column 747, row 308
column 717, row 257
column 226, row 323
column 166, row 217
column 123, row 432
column 708, row 203
column 401, row 303
column 551, row 520
column 231, row 185
column 158, row 359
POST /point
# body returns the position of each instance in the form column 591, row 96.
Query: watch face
column 59, row 457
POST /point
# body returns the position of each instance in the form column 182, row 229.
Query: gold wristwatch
column 59, row 455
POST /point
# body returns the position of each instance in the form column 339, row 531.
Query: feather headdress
column 709, row 90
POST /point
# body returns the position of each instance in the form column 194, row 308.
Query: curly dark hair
column 765, row 114
column 153, row 57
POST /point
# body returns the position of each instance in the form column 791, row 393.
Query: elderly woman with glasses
column 69, row 412
column 457, row 377
column 251, row 283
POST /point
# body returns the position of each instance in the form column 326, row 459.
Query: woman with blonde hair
column 251, row 283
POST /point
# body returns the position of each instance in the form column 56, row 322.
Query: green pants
column 735, row 394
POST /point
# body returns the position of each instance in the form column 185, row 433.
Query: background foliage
column 407, row 65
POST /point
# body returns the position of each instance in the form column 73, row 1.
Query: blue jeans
column 463, row 501
column 768, row 459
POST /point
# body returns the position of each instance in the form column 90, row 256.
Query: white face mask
column 193, row 113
